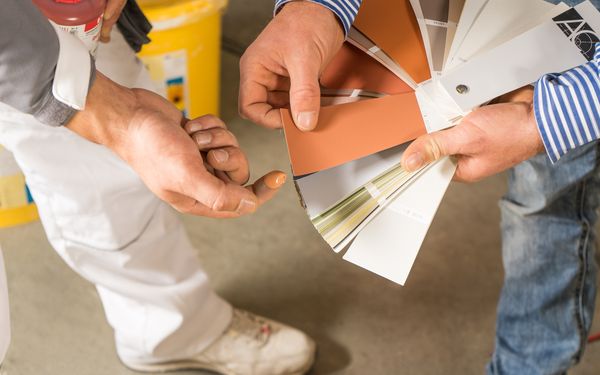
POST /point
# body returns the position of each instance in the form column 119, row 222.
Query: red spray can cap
column 82, row 18
column 71, row 12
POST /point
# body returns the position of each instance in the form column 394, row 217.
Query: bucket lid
column 167, row 14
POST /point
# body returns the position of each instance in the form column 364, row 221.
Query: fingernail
column 193, row 127
column 414, row 162
column 246, row 206
column 203, row 138
column 275, row 180
column 107, row 15
column 306, row 120
column 221, row 155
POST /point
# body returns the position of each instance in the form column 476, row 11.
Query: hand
column 220, row 148
column 282, row 67
column 226, row 160
column 146, row 131
column 488, row 141
column 112, row 12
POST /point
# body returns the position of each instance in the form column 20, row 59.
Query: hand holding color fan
column 410, row 67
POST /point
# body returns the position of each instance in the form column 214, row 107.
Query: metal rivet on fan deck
column 462, row 89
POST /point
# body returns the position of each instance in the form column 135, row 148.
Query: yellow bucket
column 185, row 53
column 16, row 203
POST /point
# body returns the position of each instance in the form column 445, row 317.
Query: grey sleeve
column 29, row 49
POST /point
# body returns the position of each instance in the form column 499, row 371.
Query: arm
column 488, row 141
column 147, row 132
column 561, row 114
column 142, row 128
column 567, row 108
column 30, row 60
column 282, row 67
column 345, row 10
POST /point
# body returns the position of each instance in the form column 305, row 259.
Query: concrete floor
column 274, row 263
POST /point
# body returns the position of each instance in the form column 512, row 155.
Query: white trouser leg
column 113, row 231
column 4, row 315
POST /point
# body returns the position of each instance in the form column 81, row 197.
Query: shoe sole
column 193, row 365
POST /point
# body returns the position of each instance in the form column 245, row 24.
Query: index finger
column 111, row 16
column 254, row 105
column 256, row 81
column 265, row 188
column 113, row 8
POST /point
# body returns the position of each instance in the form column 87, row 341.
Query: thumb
column 429, row 148
column 216, row 194
column 267, row 186
column 305, row 93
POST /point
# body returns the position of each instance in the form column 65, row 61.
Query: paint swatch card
column 347, row 132
column 559, row 44
column 497, row 23
column 353, row 69
column 455, row 9
column 433, row 18
column 392, row 26
column 411, row 67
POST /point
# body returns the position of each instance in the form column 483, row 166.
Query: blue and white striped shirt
column 346, row 10
column 566, row 106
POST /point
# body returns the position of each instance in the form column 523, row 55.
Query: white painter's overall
column 109, row 228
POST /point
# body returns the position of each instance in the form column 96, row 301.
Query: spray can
column 82, row 18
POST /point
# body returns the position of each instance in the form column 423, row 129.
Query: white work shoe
column 251, row 345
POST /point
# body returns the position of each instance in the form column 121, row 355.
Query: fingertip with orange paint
column 275, row 179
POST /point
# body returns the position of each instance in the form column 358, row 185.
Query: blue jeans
column 547, row 301
column 548, row 245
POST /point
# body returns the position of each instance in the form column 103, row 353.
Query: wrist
column 108, row 112
column 319, row 12
column 538, row 143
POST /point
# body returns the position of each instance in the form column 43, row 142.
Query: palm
column 170, row 164
column 167, row 173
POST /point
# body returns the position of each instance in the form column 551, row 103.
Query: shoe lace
column 250, row 326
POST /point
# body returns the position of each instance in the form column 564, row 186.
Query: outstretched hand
column 148, row 133
column 224, row 158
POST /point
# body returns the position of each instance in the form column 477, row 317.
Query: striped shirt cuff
column 567, row 108
column 346, row 10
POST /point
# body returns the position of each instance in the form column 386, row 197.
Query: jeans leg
column 547, row 301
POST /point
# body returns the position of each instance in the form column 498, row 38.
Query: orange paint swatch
column 351, row 131
column 393, row 27
column 353, row 69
